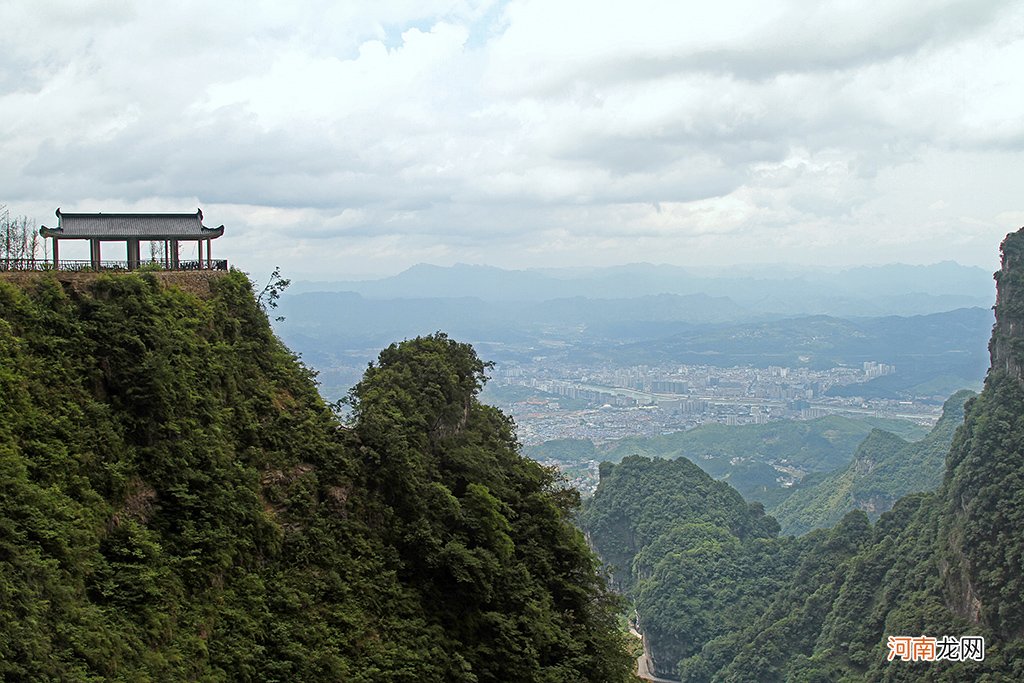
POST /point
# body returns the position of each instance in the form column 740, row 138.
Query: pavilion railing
column 82, row 266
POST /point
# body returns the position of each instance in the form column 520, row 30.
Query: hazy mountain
column 346, row 318
column 935, row 354
column 767, row 290
column 947, row 349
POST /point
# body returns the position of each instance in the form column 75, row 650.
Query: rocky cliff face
column 983, row 561
column 1007, row 345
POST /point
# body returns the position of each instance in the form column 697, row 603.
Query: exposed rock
column 1007, row 345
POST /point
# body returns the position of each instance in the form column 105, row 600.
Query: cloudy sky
column 349, row 139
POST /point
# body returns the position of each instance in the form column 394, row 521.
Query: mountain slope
column 694, row 556
column 177, row 503
column 884, row 468
column 746, row 455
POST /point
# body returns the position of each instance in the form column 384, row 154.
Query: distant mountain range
column 896, row 289
column 934, row 354
column 353, row 318
column 930, row 321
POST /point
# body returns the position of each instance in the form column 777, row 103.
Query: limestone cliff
column 1007, row 345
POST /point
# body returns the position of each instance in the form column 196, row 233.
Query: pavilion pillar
column 133, row 253
column 199, row 246
column 56, row 256
column 209, row 253
column 174, row 254
column 94, row 253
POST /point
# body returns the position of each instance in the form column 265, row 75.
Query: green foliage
column 984, row 509
column 564, row 450
column 697, row 560
column 485, row 531
column 821, row 444
column 177, row 503
column 268, row 297
column 884, row 468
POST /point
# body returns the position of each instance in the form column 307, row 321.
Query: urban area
column 603, row 404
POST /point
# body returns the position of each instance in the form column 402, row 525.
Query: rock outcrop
column 1007, row 345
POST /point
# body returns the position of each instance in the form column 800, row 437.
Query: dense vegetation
column 719, row 603
column 177, row 503
column 696, row 558
column 884, row 468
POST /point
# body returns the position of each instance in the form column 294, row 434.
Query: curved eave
column 50, row 232
column 212, row 233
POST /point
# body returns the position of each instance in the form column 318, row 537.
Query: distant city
column 604, row 404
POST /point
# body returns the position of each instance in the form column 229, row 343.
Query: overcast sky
column 346, row 139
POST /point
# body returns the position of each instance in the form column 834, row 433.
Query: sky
column 344, row 140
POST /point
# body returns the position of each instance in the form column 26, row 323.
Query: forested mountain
column 719, row 603
column 744, row 455
column 696, row 558
column 178, row 503
column 884, row 468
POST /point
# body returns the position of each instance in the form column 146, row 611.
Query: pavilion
column 167, row 230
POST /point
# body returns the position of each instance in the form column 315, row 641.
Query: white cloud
column 368, row 136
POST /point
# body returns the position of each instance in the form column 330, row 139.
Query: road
column 643, row 664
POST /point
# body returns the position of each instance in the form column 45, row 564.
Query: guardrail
column 84, row 266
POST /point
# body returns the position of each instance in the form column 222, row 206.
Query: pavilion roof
column 120, row 226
